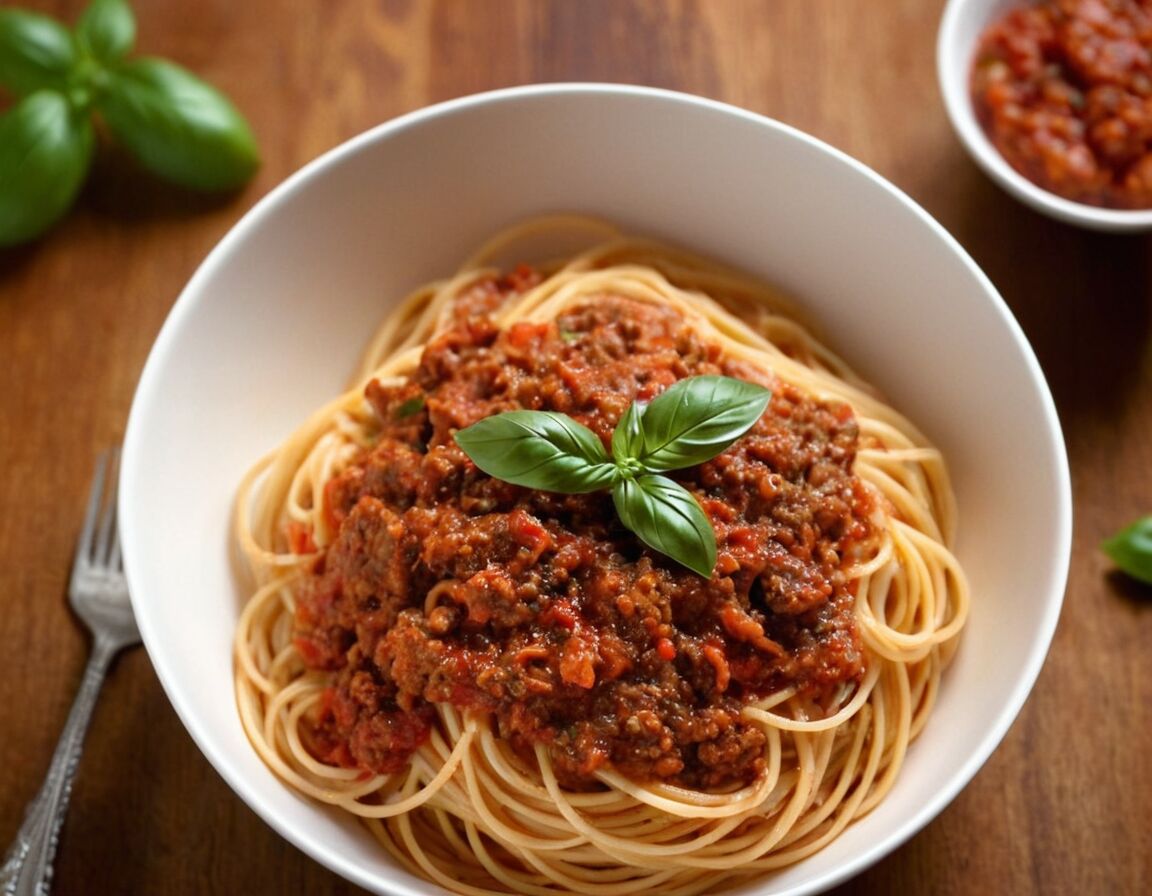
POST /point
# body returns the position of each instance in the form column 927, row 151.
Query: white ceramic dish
column 960, row 30
column 271, row 325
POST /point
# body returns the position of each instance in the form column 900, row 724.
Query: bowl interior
column 273, row 322
column 960, row 30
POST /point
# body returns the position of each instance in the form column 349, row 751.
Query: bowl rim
column 1053, row 583
column 953, row 62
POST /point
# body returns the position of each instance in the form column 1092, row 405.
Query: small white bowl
column 272, row 323
column 960, row 29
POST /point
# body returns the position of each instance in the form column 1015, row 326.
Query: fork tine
column 106, row 539
column 114, row 551
column 82, row 558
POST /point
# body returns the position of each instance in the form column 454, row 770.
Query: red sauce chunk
column 1064, row 90
column 446, row 586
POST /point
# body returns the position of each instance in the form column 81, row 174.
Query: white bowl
column 956, row 42
column 272, row 323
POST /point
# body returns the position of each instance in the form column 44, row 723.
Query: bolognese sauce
column 1064, row 90
column 443, row 584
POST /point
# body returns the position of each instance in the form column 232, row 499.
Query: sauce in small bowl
column 1053, row 98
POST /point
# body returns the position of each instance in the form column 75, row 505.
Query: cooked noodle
column 476, row 817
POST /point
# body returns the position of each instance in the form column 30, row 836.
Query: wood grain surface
column 1064, row 806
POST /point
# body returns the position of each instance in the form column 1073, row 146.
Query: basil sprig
column 176, row 125
column 687, row 424
column 1131, row 549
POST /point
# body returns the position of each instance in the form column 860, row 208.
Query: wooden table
column 1064, row 805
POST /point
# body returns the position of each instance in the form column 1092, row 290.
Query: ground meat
column 445, row 585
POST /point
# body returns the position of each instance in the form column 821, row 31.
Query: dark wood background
column 1065, row 804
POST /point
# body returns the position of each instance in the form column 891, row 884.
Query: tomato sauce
column 546, row 612
column 1063, row 89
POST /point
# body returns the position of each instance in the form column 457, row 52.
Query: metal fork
column 98, row 593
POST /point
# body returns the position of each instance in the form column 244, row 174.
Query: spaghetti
column 763, row 720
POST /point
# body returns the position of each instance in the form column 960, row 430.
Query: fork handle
column 27, row 869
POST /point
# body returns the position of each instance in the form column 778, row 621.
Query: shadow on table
column 118, row 194
column 1136, row 593
column 1082, row 297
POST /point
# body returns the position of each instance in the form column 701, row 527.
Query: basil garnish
column 1131, row 549
column 628, row 437
column 696, row 419
column 689, row 423
column 664, row 515
column 539, row 449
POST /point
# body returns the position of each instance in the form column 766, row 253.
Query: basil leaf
column 45, row 150
column 664, row 515
column 106, row 30
column 628, row 437
column 35, row 52
column 695, row 419
column 1131, row 549
column 178, row 126
column 539, row 449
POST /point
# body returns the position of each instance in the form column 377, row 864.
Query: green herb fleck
column 410, row 408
